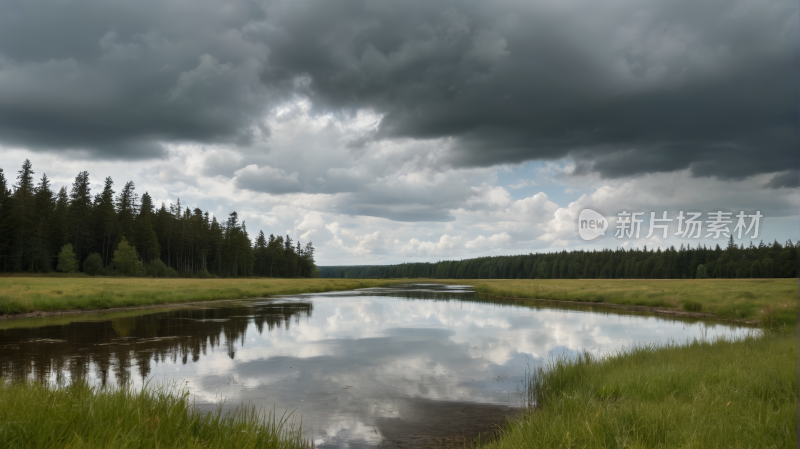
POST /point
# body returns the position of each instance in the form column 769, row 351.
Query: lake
column 406, row 366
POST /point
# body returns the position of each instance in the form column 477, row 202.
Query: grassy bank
column 742, row 299
column 731, row 394
column 32, row 415
column 738, row 299
column 20, row 294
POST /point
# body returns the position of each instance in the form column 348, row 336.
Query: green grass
column 79, row 416
column 698, row 394
column 772, row 301
column 738, row 299
column 721, row 394
column 20, row 294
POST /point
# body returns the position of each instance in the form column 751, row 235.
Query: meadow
column 771, row 301
column 22, row 294
column 676, row 394
column 80, row 416
column 727, row 393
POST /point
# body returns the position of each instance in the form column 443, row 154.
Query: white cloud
column 488, row 196
column 496, row 241
column 368, row 244
column 445, row 246
column 351, row 202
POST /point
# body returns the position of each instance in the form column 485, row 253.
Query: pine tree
column 246, row 248
column 204, row 242
column 5, row 221
column 144, row 236
column 261, row 258
column 44, row 205
column 290, row 258
column 216, row 245
column 309, row 264
column 127, row 209
column 22, row 204
column 79, row 215
column 275, row 253
column 58, row 230
column 105, row 221
column 146, row 208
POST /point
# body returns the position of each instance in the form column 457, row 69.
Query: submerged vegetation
column 36, row 415
column 21, row 294
column 726, row 393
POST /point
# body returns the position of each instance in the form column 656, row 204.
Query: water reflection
column 114, row 347
column 377, row 366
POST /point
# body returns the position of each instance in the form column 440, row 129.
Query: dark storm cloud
column 624, row 88
column 114, row 79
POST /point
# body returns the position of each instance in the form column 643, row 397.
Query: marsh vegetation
column 733, row 393
column 79, row 415
column 21, row 294
column 771, row 301
column 684, row 393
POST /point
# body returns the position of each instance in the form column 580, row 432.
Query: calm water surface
column 403, row 366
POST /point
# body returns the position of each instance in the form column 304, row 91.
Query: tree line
column 121, row 233
column 762, row 261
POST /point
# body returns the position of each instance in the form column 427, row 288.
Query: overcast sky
column 389, row 132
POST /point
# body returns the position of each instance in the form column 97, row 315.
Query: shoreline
column 633, row 308
column 39, row 297
column 728, row 392
column 46, row 313
column 609, row 305
column 604, row 373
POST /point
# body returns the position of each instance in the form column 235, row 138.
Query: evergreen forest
column 122, row 233
column 761, row 261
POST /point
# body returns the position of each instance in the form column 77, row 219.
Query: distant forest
column 762, row 261
column 125, row 234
